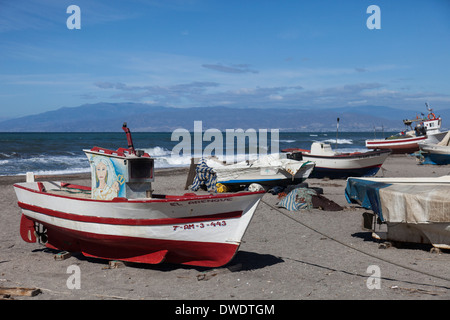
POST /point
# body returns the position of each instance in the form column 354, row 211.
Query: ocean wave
column 43, row 164
column 170, row 160
column 157, row 151
column 46, row 172
column 4, row 155
column 66, row 171
column 339, row 141
column 288, row 141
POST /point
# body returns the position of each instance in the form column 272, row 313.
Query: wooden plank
column 191, row 174
column 17, row 291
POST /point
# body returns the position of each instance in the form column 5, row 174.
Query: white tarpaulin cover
column 268, row 165
column 408, row 200
column 415, row 203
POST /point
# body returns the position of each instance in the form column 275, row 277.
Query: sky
column 246, row 54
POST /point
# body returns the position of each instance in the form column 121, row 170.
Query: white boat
column 338, row 165
column 436, row 153
column 415, row 210
column 120, row 218
column 267, row 170
column 427, row 130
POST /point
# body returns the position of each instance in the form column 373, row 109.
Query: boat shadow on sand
column 243, row 261
column 366, row 236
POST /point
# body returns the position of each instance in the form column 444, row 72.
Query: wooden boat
column 336, row 165
column 396, row 144
column 268, row 170
column 426, row 130
column 120, row 218
column 414, row 209
column 436, row 153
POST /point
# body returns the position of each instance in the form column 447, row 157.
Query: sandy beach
column 304, row 255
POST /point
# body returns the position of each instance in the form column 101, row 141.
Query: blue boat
column 436, row 153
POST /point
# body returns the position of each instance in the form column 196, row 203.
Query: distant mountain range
column 109, row 117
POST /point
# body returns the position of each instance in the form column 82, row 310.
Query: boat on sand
column 267, row 170
column 436, row 153
column 340, row 165
column 120, row 217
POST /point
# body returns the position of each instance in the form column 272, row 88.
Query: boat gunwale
column 378, row 165
column 140, row 222
column 173, row 198
column 350, row 156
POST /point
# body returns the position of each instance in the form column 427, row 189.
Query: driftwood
column 17, row 291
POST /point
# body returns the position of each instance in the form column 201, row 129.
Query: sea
column 62, row 153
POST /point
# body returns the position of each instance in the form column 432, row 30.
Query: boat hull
column 397, row 146
column 266, row 176
column 436, row 158
column 200, row 230
column 436, row 154
column 343, row 166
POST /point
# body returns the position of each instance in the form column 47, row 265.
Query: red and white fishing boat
column 120, row 218
column 403, row 143
column 427, row 130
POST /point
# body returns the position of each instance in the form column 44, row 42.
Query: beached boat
column 415, row 210
column 436, row 153
column 426, row 130
column 402, row 143
column 120, row 218
column 338, row 165
column 267, row 170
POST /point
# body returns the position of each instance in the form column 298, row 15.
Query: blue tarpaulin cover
column 365, row 193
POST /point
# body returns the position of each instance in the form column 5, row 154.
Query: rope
column 353, row 248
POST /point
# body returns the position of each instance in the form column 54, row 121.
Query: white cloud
column 275, row 97
column 241, row 68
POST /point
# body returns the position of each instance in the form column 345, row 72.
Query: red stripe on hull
column 396, row 145
column 393, row 142
column 349, row 169
column 141, row 250
column 398, row 149
column 129, row 222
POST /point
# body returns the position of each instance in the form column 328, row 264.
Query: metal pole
column 337, row 131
